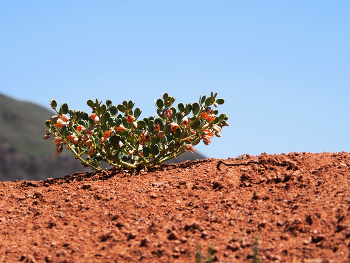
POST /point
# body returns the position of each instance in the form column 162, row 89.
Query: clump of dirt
column 296, row 204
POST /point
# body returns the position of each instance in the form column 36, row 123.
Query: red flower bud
column 156, row 127
column 174, row 126
column 160, row 134
column 168, row 113
column 184, row 121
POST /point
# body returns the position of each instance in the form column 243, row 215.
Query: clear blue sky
column 283, row 67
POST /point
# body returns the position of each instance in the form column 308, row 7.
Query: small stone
column 347, row 235
column 279, row 223
column 318, row 238
column 131, row 235
column 183, row 240
column 173, row 236
column 233, row 247
column 153, row 196
column 144, row 242
column 274, row 257
column 262, row 223
column 235, row 239
column 307, row 241
column 204, row 234
column 343, row 165
column 48, row 259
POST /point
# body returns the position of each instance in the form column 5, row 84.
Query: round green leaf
column 53, row 103
column 181, row 107
column 107, row 114
column 121, row 108
column 64, row 108
column 221, row 117
column 195, row 108
column 48, row 123
column 91, row 103
column 145, row 151
column 195, row 125
column 103, row 109
column 196, row 141
column 159, row 104
column 208, row 101
column 220, row 101
column 160, row 122
column 103, row 119
column 203, row 99
column 137, row 112
column 155, row 149
column 189, row 108
column 113, row 110
column 85, row 116
column 108, row 103
column 150, row 124
column 130, row 104
column 141, row 124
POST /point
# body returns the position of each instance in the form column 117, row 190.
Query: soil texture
column 291, row 207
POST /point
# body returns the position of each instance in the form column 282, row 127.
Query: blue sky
column 283, row 67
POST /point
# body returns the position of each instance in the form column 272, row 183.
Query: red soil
column 297, row 204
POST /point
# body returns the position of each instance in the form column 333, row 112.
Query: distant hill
column 24, row 155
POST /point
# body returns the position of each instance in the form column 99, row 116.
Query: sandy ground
column 297, row 204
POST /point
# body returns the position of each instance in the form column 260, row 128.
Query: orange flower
column 57, row 140
column 80, row 128
column 121, row 128
column 174, row 126
column 130, row 118
column 206, row 136
column 209, row 117
column 70, row 137
column 107, row 134
column 93, row 116
column 60, row 123
column 189, row 147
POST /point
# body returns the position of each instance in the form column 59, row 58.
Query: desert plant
column 210, row 253
column 256, row 249
column 127, row 142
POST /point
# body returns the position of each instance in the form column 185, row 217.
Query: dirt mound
column 296, row 204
